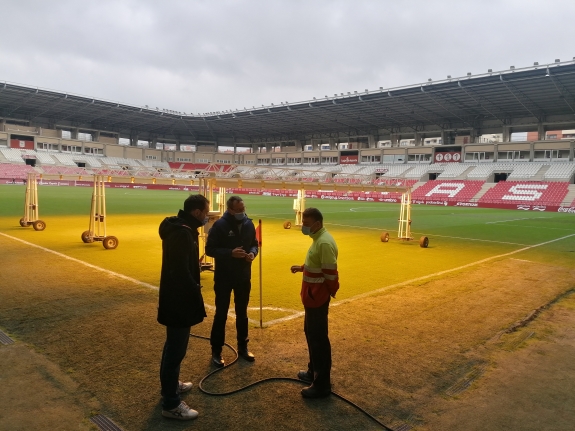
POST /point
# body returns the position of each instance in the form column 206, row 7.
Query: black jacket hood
column 181, row 221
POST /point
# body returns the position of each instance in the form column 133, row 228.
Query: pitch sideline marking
column 300, row 313
column 540, row 227
column 125, row 277
column 425, row 277
column 487, row 259
column 89, row 265
column 514, row 219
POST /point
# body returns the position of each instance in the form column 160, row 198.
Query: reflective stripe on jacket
column 320, row 276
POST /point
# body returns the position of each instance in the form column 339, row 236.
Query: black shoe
column 217, row 360
column 246, row 354
column 305, row 376
column 315, row 392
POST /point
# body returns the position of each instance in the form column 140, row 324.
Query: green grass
column 458, row 236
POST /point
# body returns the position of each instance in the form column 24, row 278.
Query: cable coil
column 270, row 379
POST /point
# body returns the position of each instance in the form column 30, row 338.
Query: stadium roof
column 542, row 93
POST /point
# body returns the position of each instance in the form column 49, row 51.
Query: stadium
column 488, row 161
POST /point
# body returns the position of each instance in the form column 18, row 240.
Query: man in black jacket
column 232, row 242
column 181, row 304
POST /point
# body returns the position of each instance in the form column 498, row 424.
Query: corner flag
column 259, row 234
column 259, row 239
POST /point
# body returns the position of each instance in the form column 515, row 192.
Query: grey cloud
column 214, row 55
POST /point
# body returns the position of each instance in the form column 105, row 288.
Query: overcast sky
column 201, row 56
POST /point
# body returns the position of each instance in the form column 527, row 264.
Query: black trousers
column 224, row 291
column 174, row 352
column 319, row 347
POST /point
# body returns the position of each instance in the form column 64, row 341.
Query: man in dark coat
column 181, row 304
column 232, row 242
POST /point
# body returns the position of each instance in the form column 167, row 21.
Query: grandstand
column 529, row 183
column 306, row 142
column 450, row 191
column 535, row 193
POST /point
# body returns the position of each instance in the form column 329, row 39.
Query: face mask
column 203, row 221
column 240, row 216
column 306, row 230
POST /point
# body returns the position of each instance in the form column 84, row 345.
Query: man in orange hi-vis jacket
column 320, row 283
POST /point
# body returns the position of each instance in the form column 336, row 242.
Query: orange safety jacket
column 320, row 276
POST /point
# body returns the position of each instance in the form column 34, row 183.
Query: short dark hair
column 195, row 202
column 314, row 214
column 232, row 200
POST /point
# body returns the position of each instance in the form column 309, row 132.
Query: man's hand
column 250, row 257
column 238, row 253
column 296, row 268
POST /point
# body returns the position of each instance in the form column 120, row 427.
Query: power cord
column 270, row 379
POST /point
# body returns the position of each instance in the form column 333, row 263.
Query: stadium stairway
column 463, row 175
column 417, row 185
column 570, row 197
column 484, row 189
column 540, row 175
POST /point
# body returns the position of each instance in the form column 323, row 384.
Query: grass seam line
column 393, row 229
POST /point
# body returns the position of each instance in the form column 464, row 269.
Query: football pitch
column 459, row 238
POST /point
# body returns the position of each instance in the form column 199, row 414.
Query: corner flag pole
column 259, row 238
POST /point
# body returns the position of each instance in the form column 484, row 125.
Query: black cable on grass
column 270, row 379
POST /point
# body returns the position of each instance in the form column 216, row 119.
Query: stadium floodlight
column 536, row 63
column 489, row 70
column 429, row 80
column 468, row 73
column 557, row 60
column 448, row 76
column 547, row 72
column 512, row 67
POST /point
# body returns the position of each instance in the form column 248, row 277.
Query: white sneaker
column 182, row 412
column 184, row 387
